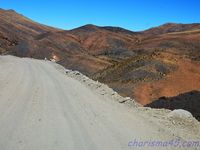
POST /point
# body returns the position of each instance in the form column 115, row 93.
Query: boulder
column 180, row 114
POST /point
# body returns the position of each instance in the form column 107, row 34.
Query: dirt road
column 41, row 108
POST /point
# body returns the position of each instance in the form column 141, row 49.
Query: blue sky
column 135, row 15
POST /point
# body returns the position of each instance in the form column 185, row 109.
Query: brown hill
column 25, row 38
column 101, row 40
column 15, row 28
column 171, row 27
column 128, row 61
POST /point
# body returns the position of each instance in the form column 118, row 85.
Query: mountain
column 102, row 40
column 172, row 27
column 23, row 37
column 162, row 61
column 15, row 28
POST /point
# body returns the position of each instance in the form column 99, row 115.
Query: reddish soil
column 185, row 78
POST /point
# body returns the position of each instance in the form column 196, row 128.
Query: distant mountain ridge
column 172, row 27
